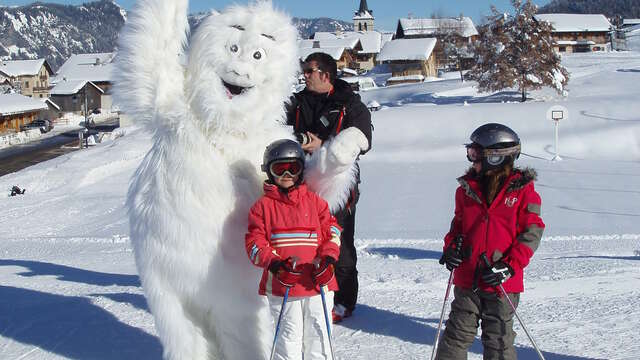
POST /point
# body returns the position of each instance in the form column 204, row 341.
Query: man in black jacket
column 321, row 111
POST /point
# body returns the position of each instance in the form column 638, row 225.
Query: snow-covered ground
column 68, row 283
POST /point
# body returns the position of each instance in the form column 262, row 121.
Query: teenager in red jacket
column 497, row 213
column 295, row 239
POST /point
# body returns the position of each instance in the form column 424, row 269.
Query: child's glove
column 324, row 271
column 285, row 272
column 498, row 273
column 452, row 256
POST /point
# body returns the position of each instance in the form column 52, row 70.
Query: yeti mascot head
column 242, row 65
column 211, row 120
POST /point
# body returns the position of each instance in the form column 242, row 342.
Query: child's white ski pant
column 303, row 328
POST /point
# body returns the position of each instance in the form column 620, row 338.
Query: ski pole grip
column 484, row 259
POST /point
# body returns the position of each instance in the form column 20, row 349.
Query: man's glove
column 324, row 271
column 452, row 256
column 285, row 272
column 498, row 273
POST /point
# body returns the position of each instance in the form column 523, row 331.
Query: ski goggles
column 493, row 156
column 279, row 168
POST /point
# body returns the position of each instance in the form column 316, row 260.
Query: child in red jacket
column 497, row 213
column 296, row 240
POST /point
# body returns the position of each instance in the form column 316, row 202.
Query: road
column 20, row 156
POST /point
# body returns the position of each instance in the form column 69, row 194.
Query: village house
column 29, row 77
column 460, row 32
column 370, row 41
column 17, row 110
column 94, row 68
column 345, row 48
column 579, row 32
column 73, row 95
column 410, row 60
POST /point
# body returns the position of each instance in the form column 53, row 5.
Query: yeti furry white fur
column 189, row 199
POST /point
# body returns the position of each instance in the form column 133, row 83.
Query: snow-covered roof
column 335, row 52
column 22, row 67
column 630, row 22
column 462, row 26
column 90, row 67
column 371, row 41
column 70, row 87
column 49, row 102
column 407, row 49
column 575, row 42
column 17, row 104
column 345, row 42
column 407, row 78
column 365, row 15
column 576, row 22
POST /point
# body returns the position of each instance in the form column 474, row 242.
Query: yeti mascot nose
column 210, row 103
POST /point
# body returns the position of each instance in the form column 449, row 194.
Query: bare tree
column 517, row 51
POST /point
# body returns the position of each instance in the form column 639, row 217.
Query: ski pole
column 483, row 256
column 275, row 338
column 434, row 352
column 326, row 320
column 284, row 302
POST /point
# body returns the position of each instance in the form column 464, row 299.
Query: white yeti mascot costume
column 211, row 120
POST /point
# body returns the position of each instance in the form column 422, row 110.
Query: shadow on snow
column 67, row 273
column 405, row 253
column 423, row 331
column 71, row 326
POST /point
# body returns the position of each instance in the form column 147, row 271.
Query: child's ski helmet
column 282, row 150
column 497, row 146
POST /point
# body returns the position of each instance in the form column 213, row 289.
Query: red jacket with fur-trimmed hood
column 509, row 229
column 286, row 224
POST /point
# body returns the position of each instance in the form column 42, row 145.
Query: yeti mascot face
column 242, row 62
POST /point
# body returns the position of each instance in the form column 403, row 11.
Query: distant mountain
column 610, row 8
column 55, row 31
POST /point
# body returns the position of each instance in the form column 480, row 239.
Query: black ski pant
column 346, row 272
column 472, row 309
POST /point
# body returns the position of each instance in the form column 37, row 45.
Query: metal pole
column 275, row 337
column 557, row 150
column 434, row 352
column 483, row 256
column 326, row 320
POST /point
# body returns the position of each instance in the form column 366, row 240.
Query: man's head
column 320, row 72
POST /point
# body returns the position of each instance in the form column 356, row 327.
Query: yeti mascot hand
column 212, row 106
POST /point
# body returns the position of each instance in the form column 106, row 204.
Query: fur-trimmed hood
column 517, row 180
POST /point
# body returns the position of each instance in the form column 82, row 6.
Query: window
column 26, row 84
column 562, row 49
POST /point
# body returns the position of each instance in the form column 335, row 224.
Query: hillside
column 56, row 31
column 610, row 8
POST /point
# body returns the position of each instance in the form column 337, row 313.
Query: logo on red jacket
column 510, row 201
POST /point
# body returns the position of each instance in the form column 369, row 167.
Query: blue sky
column 386, row 12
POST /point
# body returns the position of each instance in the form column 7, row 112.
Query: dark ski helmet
column 495, row 144
column 284, row 149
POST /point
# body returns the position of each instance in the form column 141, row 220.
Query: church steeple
column 364, row 7
column 363, row 19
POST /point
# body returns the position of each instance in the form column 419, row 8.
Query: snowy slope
column 68, row 284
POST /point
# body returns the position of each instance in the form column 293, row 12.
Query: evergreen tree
column 517, row 51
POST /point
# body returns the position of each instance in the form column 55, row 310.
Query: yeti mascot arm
column 212, row 105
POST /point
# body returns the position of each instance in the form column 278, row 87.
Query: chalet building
column 459, row 31
column 17, row 110
column 71, row 96
column 629, row 23
column 98, row 69
column 363, row 18
column 29, row 77
column 370, row 41
column 343, row 50
column 410, row 60
column 579, row 32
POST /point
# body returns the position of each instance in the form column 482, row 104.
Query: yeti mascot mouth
column 212, row 102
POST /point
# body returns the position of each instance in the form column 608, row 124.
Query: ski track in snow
column 69, row 287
